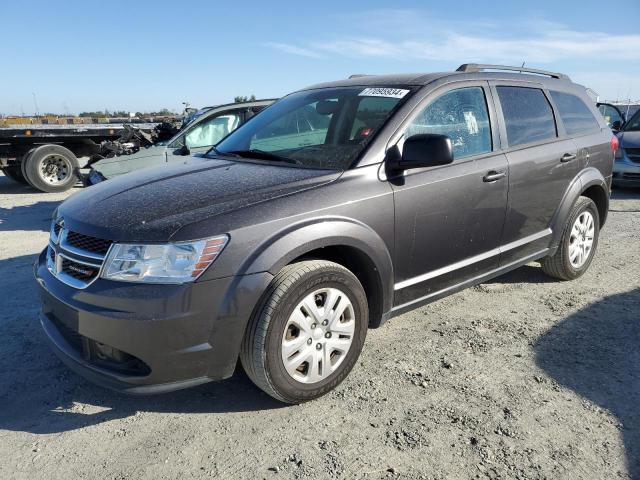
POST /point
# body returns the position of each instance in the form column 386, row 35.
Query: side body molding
column 301, row 238
column 587, row 178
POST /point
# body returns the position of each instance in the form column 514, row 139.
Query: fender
column 587, row 178
column 300, row 238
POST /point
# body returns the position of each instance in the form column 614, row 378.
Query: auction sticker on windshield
column 383, row 92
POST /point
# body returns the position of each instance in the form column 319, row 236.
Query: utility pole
column 35, row 103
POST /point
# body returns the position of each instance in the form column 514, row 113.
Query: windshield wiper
column 259, row 154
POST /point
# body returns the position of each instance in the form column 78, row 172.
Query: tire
column 51, row 168
column 15, row 174
column 23, row 165
column 562, row 264
column 263, row 348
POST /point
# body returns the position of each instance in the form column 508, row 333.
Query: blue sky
column 145, row 55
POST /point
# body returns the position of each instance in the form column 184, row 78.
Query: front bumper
column 626, row 172
column 142, row 339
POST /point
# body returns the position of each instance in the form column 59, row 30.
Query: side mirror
column 617, row 125
column 425, row 150
column 184, row 148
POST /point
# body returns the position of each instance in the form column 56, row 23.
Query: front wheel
column 578, row 243
column 308, row 332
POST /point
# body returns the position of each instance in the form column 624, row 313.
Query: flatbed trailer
column 47, row 156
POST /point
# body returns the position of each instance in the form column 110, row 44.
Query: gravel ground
column 521, row 377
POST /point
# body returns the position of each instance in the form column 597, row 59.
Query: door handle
column 493, row 175
column 567, row 157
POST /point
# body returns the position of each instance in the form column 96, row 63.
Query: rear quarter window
column 527, row 114
column 574, row 113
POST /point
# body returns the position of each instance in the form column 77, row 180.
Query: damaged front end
column 132, row 141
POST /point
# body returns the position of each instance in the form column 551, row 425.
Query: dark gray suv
column 329, row 212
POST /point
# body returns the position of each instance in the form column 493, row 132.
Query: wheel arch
column 344, row 241
column 589, row 183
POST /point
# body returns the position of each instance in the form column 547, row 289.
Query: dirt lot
column 522, row 377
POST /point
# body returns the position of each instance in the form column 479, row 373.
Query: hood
column 629, row 139
column 152, row 204
column 147, row 157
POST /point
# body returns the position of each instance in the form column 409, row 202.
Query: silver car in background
column 206, row 129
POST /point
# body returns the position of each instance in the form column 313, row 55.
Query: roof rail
column 479, row 67
column 358, row 75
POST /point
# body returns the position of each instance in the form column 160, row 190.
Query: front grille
column 87, row 243
column 79, row 271
column 633, row 154
column 75, row 258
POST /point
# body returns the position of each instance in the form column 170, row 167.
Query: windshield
column 633, row 125
column 324, row 128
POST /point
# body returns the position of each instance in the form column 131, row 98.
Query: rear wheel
column 578, row 244
column 51, row 168
column 308, row 333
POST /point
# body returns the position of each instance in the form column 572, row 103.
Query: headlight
column 164, row 263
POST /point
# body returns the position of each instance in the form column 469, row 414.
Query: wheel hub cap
column 581, row 239
column 318, row 333
column 55, row 169
column 310, row 355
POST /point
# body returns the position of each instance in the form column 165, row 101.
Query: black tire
column 23, row 167
column 559, row 265
column 34, row 170
column 261, row 353
column 15, row 174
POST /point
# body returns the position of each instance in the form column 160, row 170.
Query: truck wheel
column 51, row 168
column 14, row 173
column 578, row 243
column 307, row 333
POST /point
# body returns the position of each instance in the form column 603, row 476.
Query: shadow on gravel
column 38, row 394
column 524, row 274
column 28, row 217
column 11, row 186
column 25, row 217
column 67, row 402
column 596, row 353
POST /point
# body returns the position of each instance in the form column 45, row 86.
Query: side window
column 575, row 115
column 527, row 114
column 212, row 130
column 461, row 115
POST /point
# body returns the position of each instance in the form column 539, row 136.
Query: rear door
column 578, row 117
column 542, row 164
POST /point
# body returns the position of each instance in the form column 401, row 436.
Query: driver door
column 449, row 218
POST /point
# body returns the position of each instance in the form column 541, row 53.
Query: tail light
column 615, row 144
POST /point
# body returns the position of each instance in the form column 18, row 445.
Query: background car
column 207, row 129
column 613, row 115
column 626, row 168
